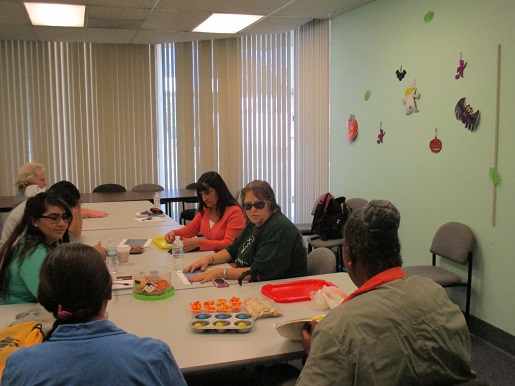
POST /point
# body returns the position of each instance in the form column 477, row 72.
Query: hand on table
column 201, row 264
column 208, row 275
column 91, row 213
column 191, row 244
column 170, row 237
column 306, row 333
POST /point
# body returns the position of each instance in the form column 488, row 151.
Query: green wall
column 368, row 46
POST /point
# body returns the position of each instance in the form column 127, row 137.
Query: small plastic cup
column 123, row 253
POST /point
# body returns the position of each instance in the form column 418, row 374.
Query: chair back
column 147, row 188
column 453, row 241
column 321, row 260
column 109, row 188
column 356, row 203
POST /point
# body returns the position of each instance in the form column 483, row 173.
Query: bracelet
column 225, row 273
column 212, row 260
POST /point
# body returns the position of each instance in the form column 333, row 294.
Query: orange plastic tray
column 293, row 291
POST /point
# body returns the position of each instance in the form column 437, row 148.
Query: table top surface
column 122, row 215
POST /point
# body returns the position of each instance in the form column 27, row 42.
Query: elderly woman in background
column 44, row 225
column 270, row 246
column 219, row 218
column 393, row 330
column 83, row 347
column 31, row 180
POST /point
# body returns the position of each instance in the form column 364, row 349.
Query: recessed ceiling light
column 57, row 15
column 226, row 23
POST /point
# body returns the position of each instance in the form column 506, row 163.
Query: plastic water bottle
column 157, row 200
column 177, row 254
column 111, row 256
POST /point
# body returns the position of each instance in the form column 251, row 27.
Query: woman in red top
column 219, row 218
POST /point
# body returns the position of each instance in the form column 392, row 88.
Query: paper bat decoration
column 465, row 114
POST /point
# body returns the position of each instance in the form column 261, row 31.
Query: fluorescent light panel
column 226, row 23
column 57, row 15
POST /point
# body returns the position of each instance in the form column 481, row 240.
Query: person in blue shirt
column 84, row 348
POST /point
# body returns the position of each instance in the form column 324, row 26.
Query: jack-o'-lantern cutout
column 352, row 128
column 435, row 145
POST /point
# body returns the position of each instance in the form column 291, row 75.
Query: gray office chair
column 109, row 188
column 321, row 260
column 356, row 203
column 453, row 241
column 147, row 188
column 188, row 214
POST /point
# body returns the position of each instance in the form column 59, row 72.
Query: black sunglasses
column 257, row 205
column 54, row 218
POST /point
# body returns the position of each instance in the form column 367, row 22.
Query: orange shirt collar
column 379, row 279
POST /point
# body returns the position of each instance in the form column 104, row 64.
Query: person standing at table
column 84, row 347
column 393, row 330
column 270, row 246
column 31, row 180
column 219, row 218
column 44, row 225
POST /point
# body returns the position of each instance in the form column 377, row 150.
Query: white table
column 169, row 320
column 122, row 215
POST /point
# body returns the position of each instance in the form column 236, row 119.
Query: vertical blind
column 85, row 111
column 255, row 107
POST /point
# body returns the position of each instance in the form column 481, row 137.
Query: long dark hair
column 73, row 284
column 213, row 180
column 31, row 234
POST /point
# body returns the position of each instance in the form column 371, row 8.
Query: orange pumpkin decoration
column 352, row 128
column 435, row 145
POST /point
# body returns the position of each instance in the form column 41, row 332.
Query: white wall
column 368, row 46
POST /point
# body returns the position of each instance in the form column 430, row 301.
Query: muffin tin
column 222, row 322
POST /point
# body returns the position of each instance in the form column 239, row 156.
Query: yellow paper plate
column 161, row 242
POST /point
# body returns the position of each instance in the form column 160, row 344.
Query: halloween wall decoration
column 494, row 174
column 465, row 114
column 352, row 128
column 367, row 95
column 381, row 133
column 411, row 94
column 428, row 16
column 435, row 145
column 400, row 74
column 460, row 69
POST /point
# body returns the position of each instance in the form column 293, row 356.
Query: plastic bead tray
column 222, row 322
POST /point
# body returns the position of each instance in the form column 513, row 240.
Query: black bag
column 330, row 217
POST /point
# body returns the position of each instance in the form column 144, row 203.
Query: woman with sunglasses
column 44, row 225
column 219, row 218
column 270, row 246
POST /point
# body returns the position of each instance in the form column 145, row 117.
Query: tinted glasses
column 257, row 205
column 54, row 218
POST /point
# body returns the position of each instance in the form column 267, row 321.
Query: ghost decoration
column 410, row 100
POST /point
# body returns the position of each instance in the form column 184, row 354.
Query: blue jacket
column 94, row 353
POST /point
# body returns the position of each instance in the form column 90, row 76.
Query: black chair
column 453, row 241
column 147, row 188
column 188, row 214
column 109, row 188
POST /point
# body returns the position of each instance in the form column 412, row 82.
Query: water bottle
column 177, row 254
column 111, row 256
column 157, row 200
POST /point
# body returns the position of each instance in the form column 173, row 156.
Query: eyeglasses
column 257, row 205
column 54, row 218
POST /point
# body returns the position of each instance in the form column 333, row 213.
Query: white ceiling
column 166, row 21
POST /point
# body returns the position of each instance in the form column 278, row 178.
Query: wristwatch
column 225, row 273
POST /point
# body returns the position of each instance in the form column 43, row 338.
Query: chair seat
column 304, row 229
column 439, row 275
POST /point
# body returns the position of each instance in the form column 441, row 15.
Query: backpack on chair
column 330, row 217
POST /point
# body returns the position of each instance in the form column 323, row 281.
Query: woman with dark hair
column 44, row 225
column 219, row 218
column 393, row 330
column 83, row 347
column 270, row 246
